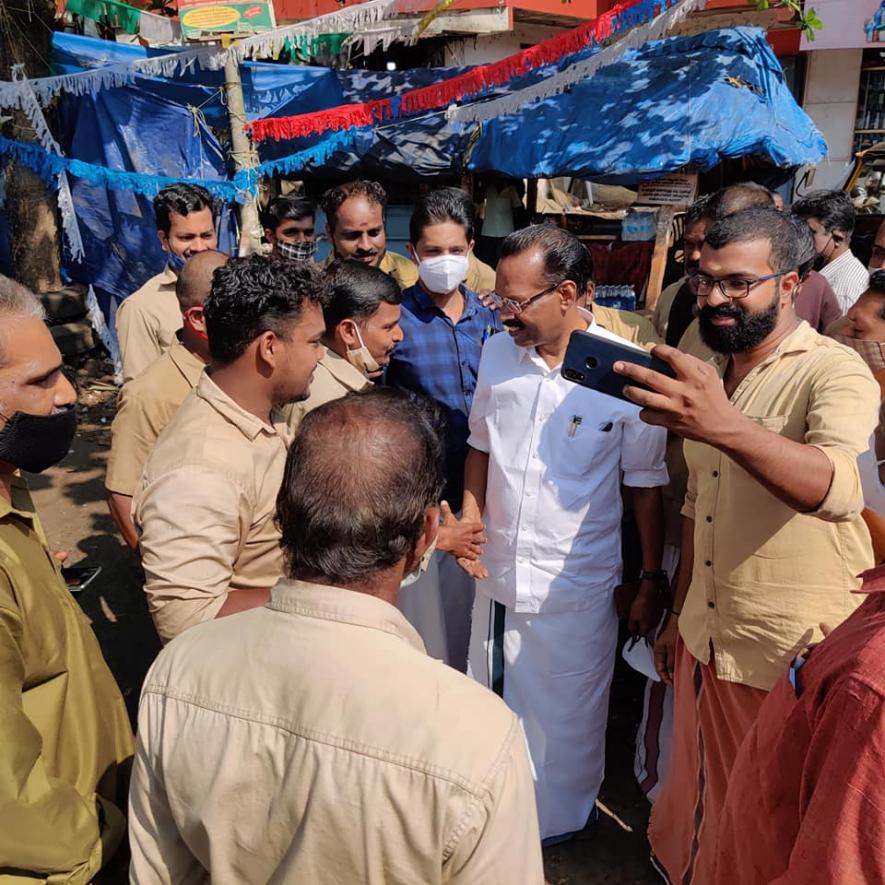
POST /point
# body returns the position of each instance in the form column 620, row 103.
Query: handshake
column 464, row 539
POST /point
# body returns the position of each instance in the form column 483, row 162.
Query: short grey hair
column 17, row 302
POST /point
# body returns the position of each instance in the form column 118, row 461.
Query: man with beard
column 544, row 470
column 64, row 732
column 355, row 225
column 205, row 504
column 772, row 538
column 146, row 321
column 289, row 227
column 831, row 217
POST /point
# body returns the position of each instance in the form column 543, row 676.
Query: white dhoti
column 554, row 671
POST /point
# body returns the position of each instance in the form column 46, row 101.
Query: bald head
column 195, row 279
column 385, row 480
column 738, row 197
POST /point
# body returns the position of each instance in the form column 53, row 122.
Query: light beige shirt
column 402, row 269
column 480, row 276
column 147, row 404
column 334, row 378
column 205, row 508
column 626, row 324
column 661, row 316
column 146, row 323
column 314, row 741
column 765, row 577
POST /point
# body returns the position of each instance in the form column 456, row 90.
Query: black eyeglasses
column 732, row 288
column 517, row 307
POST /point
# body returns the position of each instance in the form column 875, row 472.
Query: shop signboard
column 848, row 24
column 202, row 19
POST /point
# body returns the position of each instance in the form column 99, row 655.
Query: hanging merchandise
column 354, row 20
column 624, row 16
column 118, row 15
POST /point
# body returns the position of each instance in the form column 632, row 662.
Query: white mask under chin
column 443, row 273
column 361, row 357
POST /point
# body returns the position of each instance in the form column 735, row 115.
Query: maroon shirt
column 816, row 302
column 806, row 796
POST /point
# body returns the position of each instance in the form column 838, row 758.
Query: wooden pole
column 243, row 154
column 659, row 256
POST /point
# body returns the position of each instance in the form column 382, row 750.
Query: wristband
column 656, row 575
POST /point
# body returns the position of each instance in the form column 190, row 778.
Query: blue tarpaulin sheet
column 675, row 103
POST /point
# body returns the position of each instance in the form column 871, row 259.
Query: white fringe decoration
column 108, row 339
column 353, row 20
column 31, row 108
column 479, row 112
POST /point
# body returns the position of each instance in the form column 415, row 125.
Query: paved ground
column 70, row 500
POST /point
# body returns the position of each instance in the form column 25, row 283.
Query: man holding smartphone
column 544, row 473
column 772, row 539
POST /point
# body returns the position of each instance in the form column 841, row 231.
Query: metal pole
column 243, row 154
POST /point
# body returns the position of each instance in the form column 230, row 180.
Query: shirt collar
column 21, row 503
column 189, row 364
column 425, row 302
column 249, row 425
column 803, row 338
column 342, row 370
column 168, row 277
column 345, row 606
column 529, row 354
column 847, row 257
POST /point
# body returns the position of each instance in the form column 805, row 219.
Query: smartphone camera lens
column 591, row 362
column 572, row 375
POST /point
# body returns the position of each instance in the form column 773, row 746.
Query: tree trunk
column 30, row 205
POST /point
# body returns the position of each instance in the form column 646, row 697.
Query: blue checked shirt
column 440, row 359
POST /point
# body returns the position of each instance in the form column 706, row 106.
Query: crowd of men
column 381, row 542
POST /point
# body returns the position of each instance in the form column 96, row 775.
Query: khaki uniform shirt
column 402, row 269
column 146, row 323
column 661, row 315
column 205, row 508
column 765, row 577
column 334, row 378
column 147, row 404
column 626, row 324
column 314, row 741
column 63, row 726
column 480, row 276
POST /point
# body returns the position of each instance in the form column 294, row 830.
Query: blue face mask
column 176, row 262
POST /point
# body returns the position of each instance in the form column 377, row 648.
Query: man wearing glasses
column 831, row 217
column 544, row 472
column 772, row 539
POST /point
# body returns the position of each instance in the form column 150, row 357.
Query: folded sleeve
column 139, row 345
column 191, row 529
column 843, row 411
column 133, row 434
column 48, row 827
column 643, row 454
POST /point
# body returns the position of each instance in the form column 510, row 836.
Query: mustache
column 722, row 312
column 371, row 253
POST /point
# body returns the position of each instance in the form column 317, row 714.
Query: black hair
column 284, row 208
column 443, row 204
column 737, row 197
column 565, row 257
column 182, row 199
column 384, row 480
column 356, row 291
column 257, row 294
column 761, row 223
column 807, row 254
column 833, row 209
column 698, row 210
column 332, row 199
column 877, row 282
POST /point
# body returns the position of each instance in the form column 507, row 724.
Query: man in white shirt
column 544, row 473
column 831, row 217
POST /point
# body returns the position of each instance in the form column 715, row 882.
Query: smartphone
column 79, row 577
column 589, row 361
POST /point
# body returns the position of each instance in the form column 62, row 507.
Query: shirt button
column 709, row 519
column 711, row 605
column 708, row 562
column 715, row 473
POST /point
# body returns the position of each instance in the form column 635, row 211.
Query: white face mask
column 443, row 273
column 361, row 358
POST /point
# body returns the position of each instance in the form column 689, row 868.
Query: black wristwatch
column 656, row 575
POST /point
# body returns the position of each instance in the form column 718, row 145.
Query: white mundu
column 545, row 628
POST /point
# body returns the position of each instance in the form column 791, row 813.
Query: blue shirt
column 440, row 359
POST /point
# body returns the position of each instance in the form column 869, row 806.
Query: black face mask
column 36, row 442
